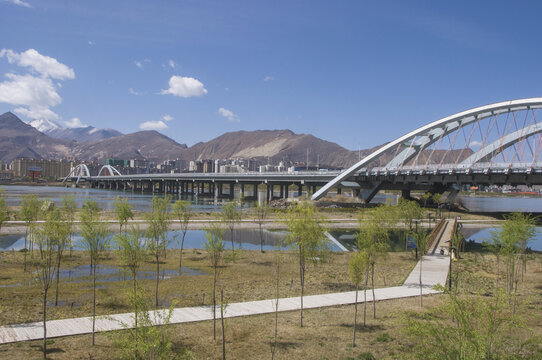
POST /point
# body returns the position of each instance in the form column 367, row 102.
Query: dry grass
column 327, row 332
column 249, row 278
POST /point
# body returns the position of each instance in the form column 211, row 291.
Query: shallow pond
column 483, row 234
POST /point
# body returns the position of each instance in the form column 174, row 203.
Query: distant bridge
column 497, row 144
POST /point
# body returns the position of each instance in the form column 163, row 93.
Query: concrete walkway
column 435, row 271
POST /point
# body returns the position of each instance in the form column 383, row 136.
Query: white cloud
column 29, row 90
column 167, row 117
column 153, row 125
column 268, row 78
column 20, row 3
column 185, row 87
column 90, row 42
column 133, row 92
column 45, row 65
column 475, row 143
column 74, row 123
column 35, row 94
column 37, row 113
column 228, row 114
column 138, row 64
column 171, row 63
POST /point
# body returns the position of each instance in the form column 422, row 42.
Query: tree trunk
column 214, row 306
column 45, row 324
column 302, row 280
column 93, row 302
column 274, row 347
column 25, row 249
column 222, row 322
column 135, row 305
column 373, row 286
column 261, row 238
column 421, row 297
column 181, row 254
column 57, row 279
column 157, row 279
column 365, row 299
column 355, row 317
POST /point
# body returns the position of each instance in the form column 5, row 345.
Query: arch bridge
column 496, row 144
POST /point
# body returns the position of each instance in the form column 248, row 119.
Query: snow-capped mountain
column 44, row 125
column 82, row 134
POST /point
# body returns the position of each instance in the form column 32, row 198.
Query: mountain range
column 81, row 134
column 18, row 139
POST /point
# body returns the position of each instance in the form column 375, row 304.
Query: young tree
column 4, row 209
column 277, row 261
column 133, row 254
column 358, row 270
column 214, row 245
column 61, row 246
column 182, row 210
column 261, row 213
column 231, row 216
column 307, row 237
column 157, row 233
column 30, row 206
column 52, row 233
column 422, row 244
column 222, row 308
column 68, row 209
column 408, row 211
column 373, row 238
column 123, row 212
column 425, row 198
column 96, row 241
column 483, row 328
column 512, row 239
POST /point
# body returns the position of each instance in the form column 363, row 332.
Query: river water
column 140, row 202
column 248, row 239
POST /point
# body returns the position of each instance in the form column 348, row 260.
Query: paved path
column 435, row 271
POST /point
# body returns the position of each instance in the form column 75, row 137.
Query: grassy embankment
column 327, row 332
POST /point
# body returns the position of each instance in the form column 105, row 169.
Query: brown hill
column 275, row 145
column 149, row 145
column 18, row 139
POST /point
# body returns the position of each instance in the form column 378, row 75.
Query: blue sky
column 358, row 73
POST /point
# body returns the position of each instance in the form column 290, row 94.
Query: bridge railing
column 455, row 168
column 434, row 237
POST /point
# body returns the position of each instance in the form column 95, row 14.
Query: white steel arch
column 110, row 170
column 80, row 171
column 428, row 134
column 486, row 153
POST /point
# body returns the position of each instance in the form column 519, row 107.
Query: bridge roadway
column 365, row 182
column 277, row 185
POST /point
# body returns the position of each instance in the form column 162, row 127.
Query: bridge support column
column 405, row 194
column 242, row 191
column 269, row 193
column 339, row 190
column 286, row 191
column 299, row 190
column 232, row 185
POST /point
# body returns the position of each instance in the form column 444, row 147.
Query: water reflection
column 481, row 235
column 140, row 202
